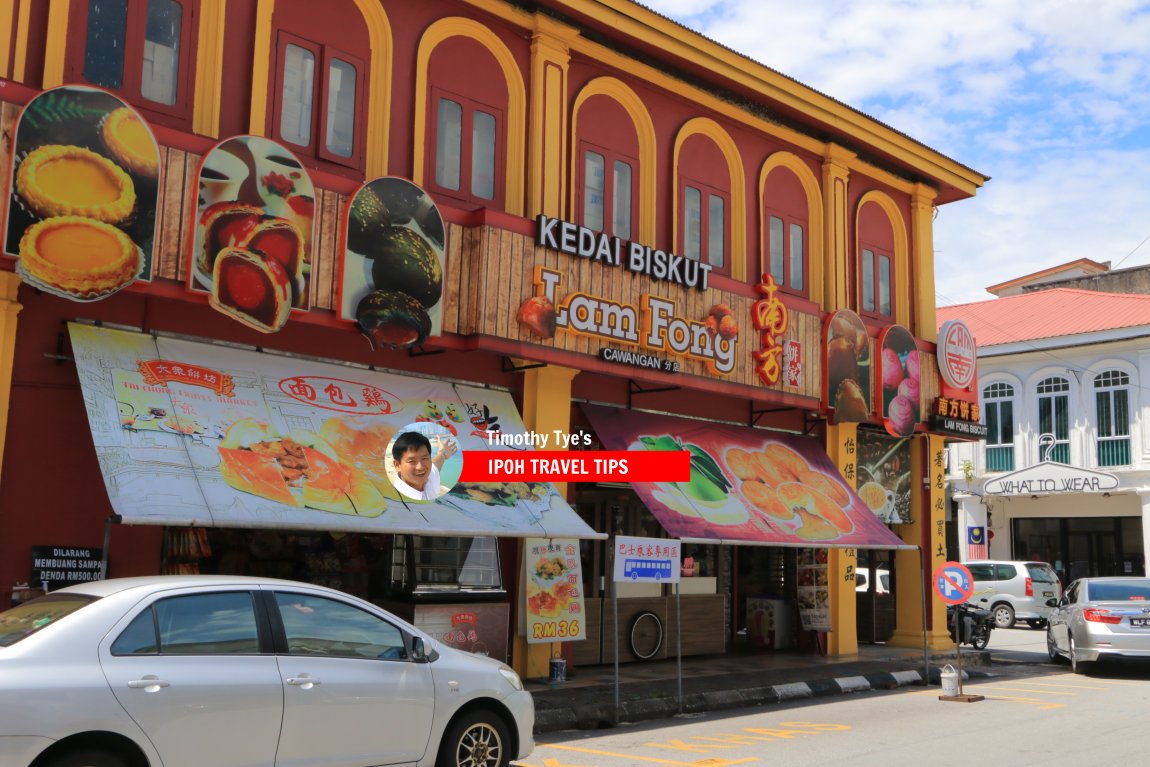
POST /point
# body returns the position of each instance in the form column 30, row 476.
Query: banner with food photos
column 195, row 434
column 554, row 579
column 813, row 589
column 83, row 192
column 252, row 237
column 391, row 276
column 747, row 485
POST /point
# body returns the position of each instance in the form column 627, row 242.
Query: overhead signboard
column 1049, row 477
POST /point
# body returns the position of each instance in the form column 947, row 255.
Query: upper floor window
column 608, row 192
column 876, row 282
column 998, row 407
column 1054, row 419
column 704, row 202
column 1112, row 402
column 467, row 141
column 318, row 89
column 143, row 50
column 786, row 225
column 705, row 224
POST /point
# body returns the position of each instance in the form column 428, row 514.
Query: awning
column 196, row 434
column 748, row 486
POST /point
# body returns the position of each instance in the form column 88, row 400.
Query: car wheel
column 1003, row 616
column 478, row 739
column 87, row 758
column 1077, row 666
column 1052, row 648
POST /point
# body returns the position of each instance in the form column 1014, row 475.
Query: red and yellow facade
column 572, row 77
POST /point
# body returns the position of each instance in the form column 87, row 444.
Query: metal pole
column 615, row 607
column 679, row 643
column 107, row 544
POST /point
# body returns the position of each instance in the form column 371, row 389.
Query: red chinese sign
column 162, row 372
column 342, row 396
column 771, row 319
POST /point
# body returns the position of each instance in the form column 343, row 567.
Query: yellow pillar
column 842, row 446
column 547, row 173
column 922, row 256
column 9, row 308
column 546, row 408
column 928, row 502
column 836, row 218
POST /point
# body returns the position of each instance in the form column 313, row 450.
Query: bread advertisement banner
column 554, row 581
column 746, row 484
column 194, row 434
column 84, row 183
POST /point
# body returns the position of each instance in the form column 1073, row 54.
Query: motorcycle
column 976, row 624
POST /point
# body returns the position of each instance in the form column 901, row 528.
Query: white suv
column 1015, row 591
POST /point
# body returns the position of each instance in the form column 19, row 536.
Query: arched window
column 142, row 50
column 705, row 201
column 786, row 220
column 1054, row 418
column 1112, row 403
column 607, row 168
column 875, row 262
column 467, row 112
column 998, row 409
column 320, row 79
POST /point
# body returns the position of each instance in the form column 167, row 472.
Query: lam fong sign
column 652, row 322
column 1050, row 477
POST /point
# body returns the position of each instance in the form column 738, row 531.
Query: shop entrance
column 874, row 596
column 1082, row 547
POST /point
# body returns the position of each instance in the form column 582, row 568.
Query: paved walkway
column 587, row 700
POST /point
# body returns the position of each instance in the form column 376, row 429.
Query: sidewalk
column 648, row 691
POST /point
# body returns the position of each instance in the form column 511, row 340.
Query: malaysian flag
column 976, row 543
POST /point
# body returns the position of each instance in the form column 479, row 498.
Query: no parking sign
column 953, row 583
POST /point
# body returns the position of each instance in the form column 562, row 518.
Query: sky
column 1050, row 98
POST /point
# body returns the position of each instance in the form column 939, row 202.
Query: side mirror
column 1052, row 602
column 419, row 652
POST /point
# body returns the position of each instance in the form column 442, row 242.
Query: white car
column 882, row 580
column 190, row 671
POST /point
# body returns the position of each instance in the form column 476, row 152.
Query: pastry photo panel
column 83, row 189
column 252, row 247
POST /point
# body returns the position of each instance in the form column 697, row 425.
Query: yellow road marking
column 712, row 762
column 1029, row 701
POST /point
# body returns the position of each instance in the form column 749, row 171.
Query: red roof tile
column 1048, row 314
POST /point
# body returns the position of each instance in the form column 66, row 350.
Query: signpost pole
column 615, row 623
column 679, row 643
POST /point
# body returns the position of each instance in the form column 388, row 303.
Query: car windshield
column 1041, row 573
column 26, row 619
column 1118, row 591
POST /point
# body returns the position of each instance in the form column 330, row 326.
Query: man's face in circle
column 415, row 467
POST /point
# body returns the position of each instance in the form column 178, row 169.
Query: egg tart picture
column 128, row 139
column 59, row 180
column 79, row 256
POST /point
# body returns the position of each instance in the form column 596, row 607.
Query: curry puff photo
column 300, row 470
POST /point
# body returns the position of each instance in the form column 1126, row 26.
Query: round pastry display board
column 96, row 160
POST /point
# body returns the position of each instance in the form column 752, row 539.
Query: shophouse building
column 1061, row 475
column 247, row 242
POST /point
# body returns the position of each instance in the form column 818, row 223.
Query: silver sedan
column 187, row 671
column 1100, row 618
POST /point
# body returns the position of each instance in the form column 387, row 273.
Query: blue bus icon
column 648, row 569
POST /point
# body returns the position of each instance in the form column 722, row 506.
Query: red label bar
column 575, row 466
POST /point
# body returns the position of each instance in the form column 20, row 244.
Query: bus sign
column 647, row 560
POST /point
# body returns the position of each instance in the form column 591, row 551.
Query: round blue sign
column 953, row 583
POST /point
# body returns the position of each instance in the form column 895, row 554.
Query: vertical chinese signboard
column 554, row 581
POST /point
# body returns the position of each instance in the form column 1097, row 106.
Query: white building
column 1064, row 473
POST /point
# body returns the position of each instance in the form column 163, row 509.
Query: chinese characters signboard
column 554, row 581
column 650, row 560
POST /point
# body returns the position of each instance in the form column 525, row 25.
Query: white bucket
column 949, row 681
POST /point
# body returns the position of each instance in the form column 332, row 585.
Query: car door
column 1061, row 614
column 352, row 695
column 188, row 669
